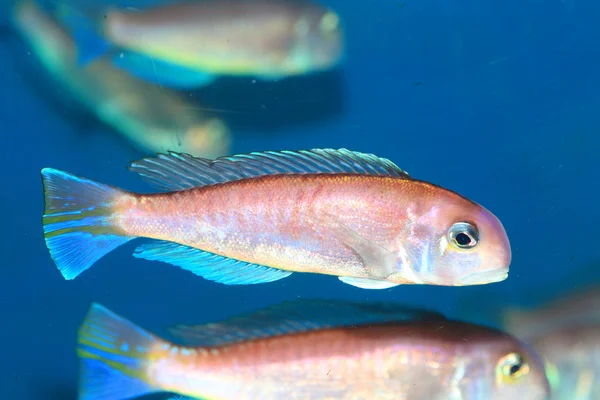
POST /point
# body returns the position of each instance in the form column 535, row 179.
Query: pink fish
column 259, row 217
column 309, row 350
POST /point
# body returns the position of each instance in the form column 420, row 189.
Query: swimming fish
column 580, row 306
column 308, row 350
column 572, row 357
column 189, row 44
column 259, row 217
column 153, row 119
column 566, row 333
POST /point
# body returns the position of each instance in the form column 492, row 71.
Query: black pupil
column 515, row 368
column 463, row 239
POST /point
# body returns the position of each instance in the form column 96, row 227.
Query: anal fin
column 210, row 266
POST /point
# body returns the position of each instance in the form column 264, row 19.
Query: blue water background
column 496, row 100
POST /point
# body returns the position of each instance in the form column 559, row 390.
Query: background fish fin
column 210, row 266
column 177, row 171
column 160, row 72
column 377, row 260
column 86, row 35
column 364, row 283
column 297, row 316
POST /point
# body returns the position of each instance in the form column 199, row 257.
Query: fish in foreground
column 566, row 333
column 259, row 217
column 308, row 350
column 189, row 44
column 151, row 118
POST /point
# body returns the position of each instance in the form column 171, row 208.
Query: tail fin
column 85, row 28
column 77, row 221
column 114, row 355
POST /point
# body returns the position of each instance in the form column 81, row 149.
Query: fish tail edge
column 114, row 354
column 87, row 28
column 78, row 221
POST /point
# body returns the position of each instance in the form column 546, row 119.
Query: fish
column 188, row 45
column 308, row 350
column 152, row 119
column 259, row 217
column 565, row 331
column 572, row 360
column 581, row 306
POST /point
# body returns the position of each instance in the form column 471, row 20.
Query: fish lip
column 484, row 277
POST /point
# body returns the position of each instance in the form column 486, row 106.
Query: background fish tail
column 85, row 25
column 78, row 221
column 114, row 355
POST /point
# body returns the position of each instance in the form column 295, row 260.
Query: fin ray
column 112, row 353
column 178, row 171
column 297, row 316
column 210, row 266
column 78, row 221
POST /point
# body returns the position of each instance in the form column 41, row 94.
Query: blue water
column 498, row 102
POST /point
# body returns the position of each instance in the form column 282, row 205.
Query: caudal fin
column 78, row 221
column 85, row 26
column 114, row 355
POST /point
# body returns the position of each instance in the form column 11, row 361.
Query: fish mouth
column 484, row 277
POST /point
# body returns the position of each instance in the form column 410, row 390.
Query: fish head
column 317, row 41
column 519, row 372
column 497, row 366
column 457, row 242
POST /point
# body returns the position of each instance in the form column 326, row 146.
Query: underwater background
column 498, row 101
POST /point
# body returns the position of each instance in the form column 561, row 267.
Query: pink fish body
column 260, row 217
column 384, row 356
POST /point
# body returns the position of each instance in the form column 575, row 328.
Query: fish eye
column 463, row 235
column 329, row 22
column 511, row 367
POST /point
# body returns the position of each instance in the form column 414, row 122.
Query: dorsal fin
column 178, row 171
column 297, row 316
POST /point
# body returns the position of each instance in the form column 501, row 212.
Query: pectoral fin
column 378, row 262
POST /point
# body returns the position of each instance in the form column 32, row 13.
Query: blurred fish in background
column 153, row 119
column 188, row 44
column 310, row 350
column 566, row 332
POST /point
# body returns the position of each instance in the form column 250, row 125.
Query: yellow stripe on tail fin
column 113, row 356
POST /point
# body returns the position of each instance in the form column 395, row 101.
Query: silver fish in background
column 153, row 119
column 566, row 333
column 188, row 44
column 572, row 355
column 309, row 350
column 578, row 307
